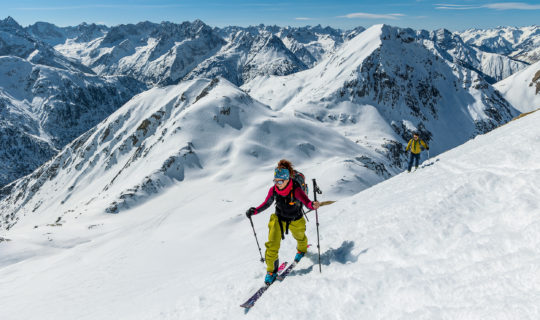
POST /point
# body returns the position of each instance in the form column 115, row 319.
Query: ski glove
column 250, row 212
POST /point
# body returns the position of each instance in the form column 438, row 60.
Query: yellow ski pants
column 298, row 230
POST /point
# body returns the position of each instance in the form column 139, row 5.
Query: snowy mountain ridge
column 492, row 66
column 247, row 56
column 406, row 87
column 168, row 53
column 518, row 43
column 16, row 41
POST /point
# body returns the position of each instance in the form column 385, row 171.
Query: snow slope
column 196, row 129
column 522, row 89
column 458, row 239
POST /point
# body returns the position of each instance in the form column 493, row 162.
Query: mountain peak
column 10, row 23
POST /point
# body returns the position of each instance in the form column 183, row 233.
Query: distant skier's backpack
column 301, row 180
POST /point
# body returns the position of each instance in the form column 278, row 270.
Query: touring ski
column 282, row 275
column 251, row 301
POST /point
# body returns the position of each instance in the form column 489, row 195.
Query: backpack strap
column 281, row 227
column 295, row 185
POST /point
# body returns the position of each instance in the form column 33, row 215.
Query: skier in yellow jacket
column 415, row 145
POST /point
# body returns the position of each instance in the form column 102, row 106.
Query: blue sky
column 345, row 14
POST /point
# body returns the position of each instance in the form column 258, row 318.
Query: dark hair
column 286, row 164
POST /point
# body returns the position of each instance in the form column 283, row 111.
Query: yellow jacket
column 414, row 145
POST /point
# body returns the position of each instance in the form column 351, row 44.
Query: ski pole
column 305, row 215
column 257, row 240
column 315, row 191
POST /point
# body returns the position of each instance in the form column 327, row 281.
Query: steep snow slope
column 522, row 89
column 197, row 129
column 388, row 73
column 458, row 239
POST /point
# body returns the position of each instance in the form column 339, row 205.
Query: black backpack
column 301, row 180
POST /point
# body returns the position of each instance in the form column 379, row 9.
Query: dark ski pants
column 414, row 157
column 298, row 230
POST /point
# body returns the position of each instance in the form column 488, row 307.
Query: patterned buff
column 281, row 173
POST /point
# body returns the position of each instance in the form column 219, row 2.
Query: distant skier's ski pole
column 315, row 191
column 257, row 240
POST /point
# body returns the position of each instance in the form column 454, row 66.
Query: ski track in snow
column 457, row 239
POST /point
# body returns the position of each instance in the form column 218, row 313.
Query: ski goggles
column 279, row 181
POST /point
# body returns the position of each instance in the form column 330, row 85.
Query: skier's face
column 280, row 183
column 415, row 137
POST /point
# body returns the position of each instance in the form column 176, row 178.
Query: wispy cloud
column 362, row 15
column 303, row 18
column 495, row 6
column 446, row 6
column 512, row 6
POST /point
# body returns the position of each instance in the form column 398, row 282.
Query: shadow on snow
column 342, row 255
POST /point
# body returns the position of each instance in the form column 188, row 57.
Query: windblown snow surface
column 457, row 239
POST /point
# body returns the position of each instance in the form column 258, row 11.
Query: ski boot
column 270, row 277
column 299, row 255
